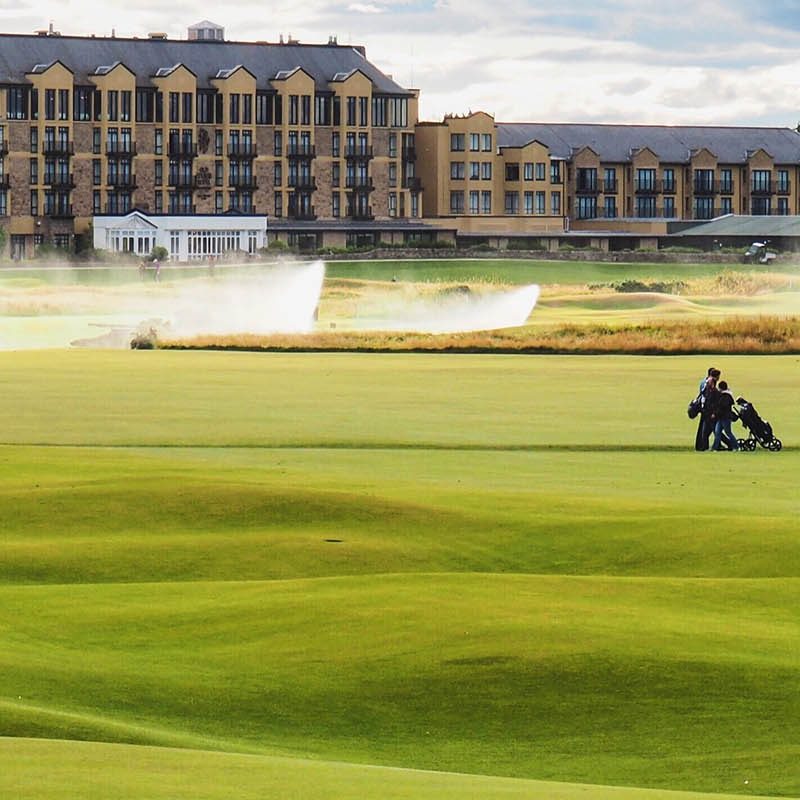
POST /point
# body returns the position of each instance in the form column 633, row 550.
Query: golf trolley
column 760, row 430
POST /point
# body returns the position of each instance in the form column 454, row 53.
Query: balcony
column 705, row 187
column 668, row 187
column 58, row 148
column 241, row 209
column 783, row 187
column 59, row 211
column 359, row 184
column 610, row 186
column 120, row 149
column 306, row 214
column 59, row 181
column 294, row 150
column 409, row 154
column 414, row 184
column 122, row 182
column 361, row 152
column 181, row 149
column 584, row 186
column 304, row 183
column 363, row 214
column 761, row 188
column 726, row 187
column 647, row 186
column 243, row 150
column 249, row 182
column 179, row 210
column 182, row 181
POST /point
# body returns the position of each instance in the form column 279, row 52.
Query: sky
column 719, row 62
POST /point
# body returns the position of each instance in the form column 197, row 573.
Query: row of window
column 701, row 207
column 204, row 107
column 477, row 142
column 480, row 202
column 702, row 180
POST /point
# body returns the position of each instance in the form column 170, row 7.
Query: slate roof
column 757, row 227
column 673, row 144
column 19, row 54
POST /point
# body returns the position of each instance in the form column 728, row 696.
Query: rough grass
column 762, row 335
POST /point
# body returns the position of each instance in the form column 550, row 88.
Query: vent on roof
column 282, row 74
column 340, row 76
column 157, row 35
column 103, row 70
column 40, row 68
column 162, row 72
column 332, row 40
column 224, row 73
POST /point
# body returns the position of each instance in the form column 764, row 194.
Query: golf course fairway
column 247, row 575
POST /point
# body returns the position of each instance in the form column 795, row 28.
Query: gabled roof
column 674, row 144
column 19, row 54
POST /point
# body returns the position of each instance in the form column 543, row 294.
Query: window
column 586, row 180
column 512, row 172
column 379, row 106
column 512, row 203
column 247, row 109
column 158, row 172
column 610, row 179
column 555, row 203
column 398, row 112
column 541, row 203
column 278, row 204
column 82, row 100
column 783, row 182
column 392, row 145
column 174, row 106
column 456, row 142
column 363, row 111
column 34, row 202
column 112, row 107
column 351, row 111
column 456, row 202
column 486, row 170
column 218, row 143
column 646, row 206
column 158, row 143
column 457, row 170
column 336, row 204
column 145, row 105
column 96, row 206
column 761, row 181
column 34, row 140
column 646, row 182
column 277, row 142
column 555, row 172
column 669, row 179
column 294, row 109
column 669, row 207
column 305, row 109
column 474, row 202
column 278, row 174
column 527, row 201
column 704, row 208
column 49, row 104
column 335, row 145
column 541, row 170
column 586, row 207
column 527, row 171
column 486, row 202
column 16, row 102
column 97, row 171
column 264, row 106
column 392, row 204
column 725, row 181
column 474, row 142
column 63, row 103
column 187, row 103
column 34, row 171
column 486, row 142
column 703, row 182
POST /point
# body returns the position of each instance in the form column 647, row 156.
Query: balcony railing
column 362, row 213
column 668, row 187
column 59, row 211
column 359, row 183
column 726, row 187
column 358, row 151
column 241, row 209
column 58, row 148
column 303, row 182
column 180, row 149
column 409, row 154
column 122, row 181
column 705, row 187
column 59, row 181
column 182, row 181
column 180, row 210
column 762, row 187
column 307, row 213
column 610, row 186
column 243, row 182
column 783, row 187
column 120, row 149
column 414, row 184
column 647, row 186
column 243, row 150
column 294, row 150
column 584, row 186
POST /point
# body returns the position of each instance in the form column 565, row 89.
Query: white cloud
column 363, row 8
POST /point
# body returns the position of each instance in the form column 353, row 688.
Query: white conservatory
column 186, row 238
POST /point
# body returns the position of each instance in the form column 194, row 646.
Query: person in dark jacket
column 709, row 392
column 724, row 416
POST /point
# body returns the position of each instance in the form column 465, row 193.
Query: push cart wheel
column 742, row 444
column 777, row 444
column 751, row 445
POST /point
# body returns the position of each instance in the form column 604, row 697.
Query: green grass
column 503, row 566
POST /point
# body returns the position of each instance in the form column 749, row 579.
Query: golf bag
column 760, row 430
